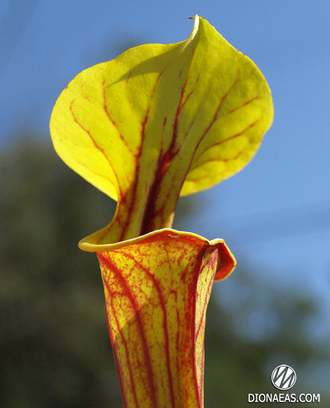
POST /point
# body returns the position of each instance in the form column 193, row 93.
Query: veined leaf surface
column 159, row 121
column 157, row 289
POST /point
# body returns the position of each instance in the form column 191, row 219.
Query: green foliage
column 54, row 344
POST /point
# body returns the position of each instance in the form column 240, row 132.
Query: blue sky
column 275, row 214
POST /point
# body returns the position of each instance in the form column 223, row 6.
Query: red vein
column 96, row 174
column 118, row 364
column 105, row 108
column 198, row 387
column 84, row 165
column 164, row 160
column 152, row 193
column 215, row 117
column 227, row 139
column 241, row 106
column 201, row 323
column 211, row 160
column 209, row 287
column 177, row 337
column 165, row 324
column 130, row 296
column 95, row 144
column 213, row 120
column 198, row 76
column 217, row 111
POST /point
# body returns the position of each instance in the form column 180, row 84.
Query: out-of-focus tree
column 257, row 327
column 54, row 344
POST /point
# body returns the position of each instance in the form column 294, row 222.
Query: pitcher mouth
column 226, row 264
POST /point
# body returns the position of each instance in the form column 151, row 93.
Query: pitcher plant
column 157, row 122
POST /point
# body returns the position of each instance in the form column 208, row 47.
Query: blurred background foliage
column 54, row 345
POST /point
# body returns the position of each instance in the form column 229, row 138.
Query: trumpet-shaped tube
column 157, row 288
